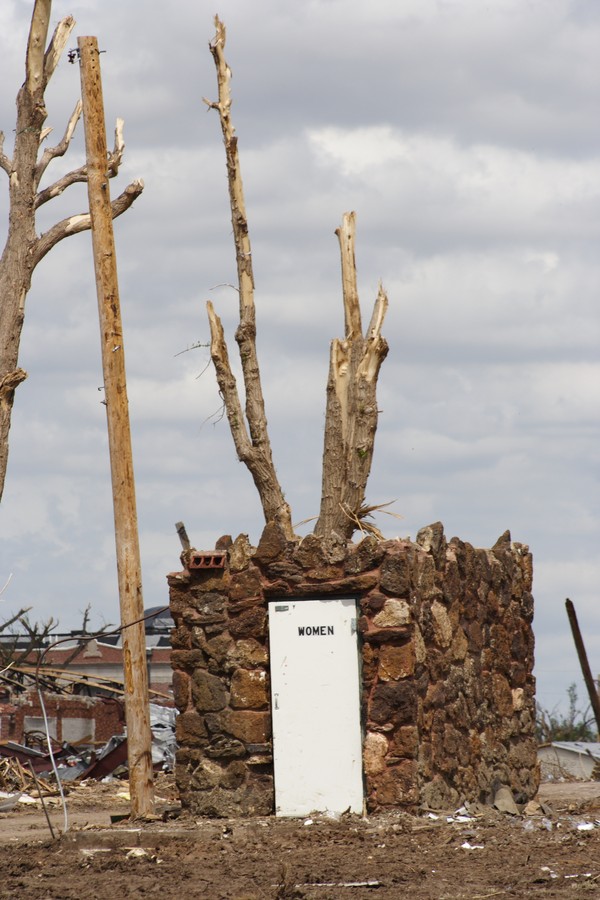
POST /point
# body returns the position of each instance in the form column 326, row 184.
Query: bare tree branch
column 255, row 452
column 77, row 175
column 251, row 454
column 355, row 361
column 376, row 348
column 82, row 222
column 351, row 413
column 14, row 618
column 24, row 248
column 36, row 634
column 51, row 153
column 38, row 32
column 346, row 235
column 4, row 586
column 54, row 190
column 5, row 162
column 56, row 46
column 115, row 157
column 228, row 386
column 10, row 382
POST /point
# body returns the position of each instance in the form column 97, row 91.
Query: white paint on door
column 315, row 697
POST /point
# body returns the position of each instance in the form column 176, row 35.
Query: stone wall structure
column 445, row 635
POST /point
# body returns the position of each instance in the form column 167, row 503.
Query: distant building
column 83, row 688
column 570, row 759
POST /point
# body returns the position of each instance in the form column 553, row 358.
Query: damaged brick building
column 445, row 642
column 82, row 684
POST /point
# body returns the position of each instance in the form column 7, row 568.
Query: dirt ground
column 487, row 854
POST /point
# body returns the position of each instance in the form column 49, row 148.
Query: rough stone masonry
column 445, row 634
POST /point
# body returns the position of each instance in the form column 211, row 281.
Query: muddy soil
column 555, row 854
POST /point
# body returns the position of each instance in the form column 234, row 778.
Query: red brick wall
column 106, row 714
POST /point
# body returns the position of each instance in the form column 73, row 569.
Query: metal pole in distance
column 583, row 662
column 137, row 712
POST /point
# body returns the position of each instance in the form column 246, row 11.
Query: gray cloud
column 466, row 137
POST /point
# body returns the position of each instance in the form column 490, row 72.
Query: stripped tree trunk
column 24, row 248
column 249, row 428
column 351, row 416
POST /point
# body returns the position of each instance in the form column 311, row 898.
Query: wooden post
column 137, row 712
column 183, row 535
column 583, row 662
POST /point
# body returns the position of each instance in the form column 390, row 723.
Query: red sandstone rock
column 447, row 649
column 249, row 689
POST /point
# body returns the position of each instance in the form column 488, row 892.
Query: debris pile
column 14, row 778
column 25, row 770
column 17, row 785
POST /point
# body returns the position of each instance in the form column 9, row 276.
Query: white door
column 315, row 702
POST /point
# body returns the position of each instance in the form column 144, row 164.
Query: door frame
column 292, row 598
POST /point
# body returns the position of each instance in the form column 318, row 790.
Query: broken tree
column 24, row 248
column 355, row 361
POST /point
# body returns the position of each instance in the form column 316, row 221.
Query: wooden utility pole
column 583, row 662
column 137, row 712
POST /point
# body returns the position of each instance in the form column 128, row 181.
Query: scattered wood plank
column 76, row 677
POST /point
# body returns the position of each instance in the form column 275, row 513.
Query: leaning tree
column 355, row 361
column 25, row 248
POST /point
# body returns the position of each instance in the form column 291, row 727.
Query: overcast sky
column 465, row 134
